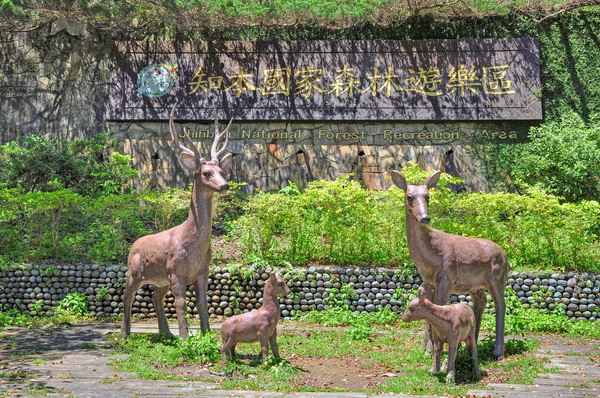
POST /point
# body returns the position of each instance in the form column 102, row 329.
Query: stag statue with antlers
column 180, row 256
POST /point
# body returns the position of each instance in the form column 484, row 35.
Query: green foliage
column 229, row 206
column 235, row 13
column 340, row 222
column 561, row 158
column 329, row 221
column 63, row 225
column 87, row 167
column 73, row 304
column 102, row 292
column 13, row 317
column 200, row 348
column 523, row 320
column 148, row 353
column 535, row 230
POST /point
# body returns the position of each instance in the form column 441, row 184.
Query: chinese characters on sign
column 305, row 82
column 486, row 79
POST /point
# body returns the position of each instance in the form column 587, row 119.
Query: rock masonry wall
column 230, row 293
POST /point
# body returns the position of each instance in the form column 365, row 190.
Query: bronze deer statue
column 180, row 256
column 450, row 324
column 453, row 264
column 257, row 325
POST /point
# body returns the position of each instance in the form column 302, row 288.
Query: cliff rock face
column 55, row 81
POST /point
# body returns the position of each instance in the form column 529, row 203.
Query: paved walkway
column 62, row 368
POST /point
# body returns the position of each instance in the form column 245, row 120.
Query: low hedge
column 330, row 222
column 338, row 222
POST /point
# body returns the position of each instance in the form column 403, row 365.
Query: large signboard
column 428, row 80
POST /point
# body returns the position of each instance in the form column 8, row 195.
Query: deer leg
column 438, row 348
column 452, row 348
column 428, row 335
column 264, row 344
column 439, row 295
column 158, row 299
column 471, row 344
column 497, row 292
column 200, row 288
column 273, row 344
column 225, row 349
column 232, row 351
column 128, row 297
column 479, row 301
column 178, row 287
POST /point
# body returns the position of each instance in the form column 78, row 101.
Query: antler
column 214, row 153
column 194, row 152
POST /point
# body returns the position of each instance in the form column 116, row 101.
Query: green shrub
column 200, row 348
column 66, row 226
column 73, row 304
column 561, row 158
column 331, row 221
column 521, row 320
column 14, row 317
column 341, row 223
column 87, row 167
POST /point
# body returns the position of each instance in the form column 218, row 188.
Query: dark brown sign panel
column 479, row 79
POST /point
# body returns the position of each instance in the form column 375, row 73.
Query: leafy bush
column 73, row 304
column 87, row 167
column 561, row 158
column 336, row 222
column 341, row 223
column 331, row 221
column 66, row 226
column 13, row 317
column 200, row 348
column 334, row 13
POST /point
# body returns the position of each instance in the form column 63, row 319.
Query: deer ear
column 399, row 179
column 188, row 161
column 225, row 160
column 273, row 277
column 421, row 294
column 432, row 180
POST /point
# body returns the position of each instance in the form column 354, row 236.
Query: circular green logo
column 155, row 80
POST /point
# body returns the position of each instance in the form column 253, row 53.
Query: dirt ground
column 331, row 373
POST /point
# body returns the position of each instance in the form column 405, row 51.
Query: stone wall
column 230, row 293
column 268, row 156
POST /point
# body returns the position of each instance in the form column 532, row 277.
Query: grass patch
column 149, row 354
column 394, row 349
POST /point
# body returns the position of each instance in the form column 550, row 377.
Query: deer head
column 417, row 196
column 416, row 307
column 207, row 174
column 280, row 288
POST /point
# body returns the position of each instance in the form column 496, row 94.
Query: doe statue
column 257, row 325
column 452, row 264
column 180, row 256
column 450, row 324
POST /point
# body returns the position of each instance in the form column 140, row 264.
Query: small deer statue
column 450, row 324
column 180, row 256
column 453, row 264
column 257, row 325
